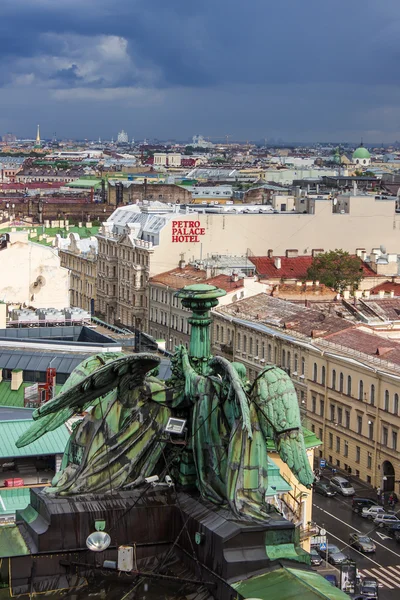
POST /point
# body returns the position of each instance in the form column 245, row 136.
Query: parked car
column 332, row 579
column 393, row 529
column 359, row 503
column 316, row 560
column 324, row 489
column 362, row 543
column 385, row 519
column 343, row 486
column 372, row 511
column 335, row 555
column 369, row 588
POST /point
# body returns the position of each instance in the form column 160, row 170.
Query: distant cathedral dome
column 361, row 156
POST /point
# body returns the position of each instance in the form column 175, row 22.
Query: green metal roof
column 361, row 152
column 276, row 483
column 53, row 442
column 11, row 542
column 289, row 584
column 12, row 398
column 310, row 441
column 12, row 499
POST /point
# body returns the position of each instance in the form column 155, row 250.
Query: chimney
column 359, row 252
column 278, row 262
column 292, row 253
column 363, row 255
column 270, row 253
column 346, row 295
column 182, row 262
column 367, row 294
column 381, row 293
column 316, row 251
column 208, row 271
column 235, row 276
column 392, row 293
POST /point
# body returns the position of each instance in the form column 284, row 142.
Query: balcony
column 309, row 530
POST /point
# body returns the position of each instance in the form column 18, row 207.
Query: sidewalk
column 361, row 487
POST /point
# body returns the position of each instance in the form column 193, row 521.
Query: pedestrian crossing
column 388, row 577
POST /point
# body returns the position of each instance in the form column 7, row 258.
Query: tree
column 336, row 269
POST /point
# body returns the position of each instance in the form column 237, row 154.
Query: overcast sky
column 298, row 70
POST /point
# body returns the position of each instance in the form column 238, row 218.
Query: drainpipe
column 377, row 429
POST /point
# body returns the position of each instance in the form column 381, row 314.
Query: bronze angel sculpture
column 121, row 440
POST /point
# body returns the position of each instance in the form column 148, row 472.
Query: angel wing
column 231, row 372
column 85, row 388
column 277, row 405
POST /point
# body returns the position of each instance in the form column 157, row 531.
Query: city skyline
column 252, row 71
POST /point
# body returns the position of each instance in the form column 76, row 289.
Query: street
column 336, row 516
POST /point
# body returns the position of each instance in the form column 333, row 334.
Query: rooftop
column 265, row 309
column 179, row 278
column 292, row 268
column 50, row 443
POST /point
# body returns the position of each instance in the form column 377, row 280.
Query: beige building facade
column 80, row 258
column 347, row 385
column 31, row 274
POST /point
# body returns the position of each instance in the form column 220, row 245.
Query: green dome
column 361, row 153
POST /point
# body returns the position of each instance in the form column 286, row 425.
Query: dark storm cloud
column 312, row 55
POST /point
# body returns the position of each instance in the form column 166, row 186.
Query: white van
column 341, row 485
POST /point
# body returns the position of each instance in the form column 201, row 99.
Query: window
column 315, row 372
column 359, row 424
column 369, row 460
column 257, row 344
column 303, row 366
column 313, row 428
column 341, row 382
column 288, row 365
column 371, row 430
column 330, row 441
column 386, row 405
column 358, row 454
column 321, row 408
column 347, row 413
column 269, row 353
column 263, row 350
column 346, row 448
column 385, row 436
column 314, row 404
column 296, row 363
column 337, row 444
column 339, row 415
column 323, row 373
column 332, row 408
column 320, row 433
column 396, row 404
column 394, row 440
column 283, row 358
column 217, row 333
column 334, row 379
column 361, row 390
column 244, row 343
column 238, row 341
column 372, row 394
column 349, row 385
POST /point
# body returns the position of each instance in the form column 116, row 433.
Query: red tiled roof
column 292, row 268
column 39, row 185
column 179, row 278
column 368, row 343
column 387, row 286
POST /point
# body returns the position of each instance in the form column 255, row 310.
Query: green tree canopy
column 336, row 269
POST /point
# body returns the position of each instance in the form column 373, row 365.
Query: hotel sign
column 187, row 231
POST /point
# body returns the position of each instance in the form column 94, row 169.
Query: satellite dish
column 98, row 541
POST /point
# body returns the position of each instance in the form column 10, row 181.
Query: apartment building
column 79, row 256
column 346, row 378
column 168, row 319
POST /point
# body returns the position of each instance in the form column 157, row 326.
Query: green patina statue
column 121, row 440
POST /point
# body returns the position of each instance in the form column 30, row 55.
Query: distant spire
column 38, row 142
